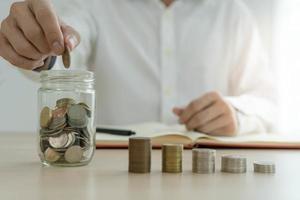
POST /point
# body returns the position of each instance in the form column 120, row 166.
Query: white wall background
column 18, row 112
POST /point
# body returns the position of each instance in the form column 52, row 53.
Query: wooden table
column 23, row 177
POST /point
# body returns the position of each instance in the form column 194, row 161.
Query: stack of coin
column 204, row 161
column 139, row 155
column 234, row 164
column 264, row 167
column 172, row 158
column 66, row 132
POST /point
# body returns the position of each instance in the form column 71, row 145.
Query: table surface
column 23, row 177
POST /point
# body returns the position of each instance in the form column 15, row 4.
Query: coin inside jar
column 64, row 102
column 71, row 139
column 76, row 112
column 87, row 108
column 74, row 154
column 45, row 117
column 77, row 116
column 51, row 155
column 58, row 118
column 59, row 142
column 59, row 112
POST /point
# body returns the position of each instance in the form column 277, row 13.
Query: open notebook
column 161, row 134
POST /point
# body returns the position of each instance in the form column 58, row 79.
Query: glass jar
column 66, row 104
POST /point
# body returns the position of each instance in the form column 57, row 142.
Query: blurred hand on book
column 210, row 114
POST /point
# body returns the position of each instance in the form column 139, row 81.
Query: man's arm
column 252, row 83
column 250, row 106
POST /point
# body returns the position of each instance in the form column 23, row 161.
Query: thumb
column 71, row 36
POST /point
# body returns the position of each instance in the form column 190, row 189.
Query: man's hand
column 209, row 114
column 32, row 32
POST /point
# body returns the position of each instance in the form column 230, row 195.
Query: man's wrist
column 247, row 123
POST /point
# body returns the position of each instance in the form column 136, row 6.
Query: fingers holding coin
column 28, row 25
column 33, row 32
column 9, row 54
column 18, row 41
column 48, row 21
column 71, row 40
column 71, row 36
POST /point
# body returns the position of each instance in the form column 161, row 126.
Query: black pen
column 115, row 131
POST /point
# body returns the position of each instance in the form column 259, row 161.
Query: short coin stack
column 234, row 164
column 204, row 161
column 264, row 167
column 139, row 155
column 172, row 158
column 65, row 134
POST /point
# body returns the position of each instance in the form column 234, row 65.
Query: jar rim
column 74, row 75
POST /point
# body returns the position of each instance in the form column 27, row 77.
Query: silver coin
column 264, row 167
column 87, row 108
column 77, row 116
column 79, row 123
column 76, row 112
column 203, row 161
column 233, row 164
column 71, row 139
column 53, row 133
column 59, row 142
column 57, row 123
column 74, row 154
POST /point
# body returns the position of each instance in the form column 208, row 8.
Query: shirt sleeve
column 75, row 13
column 251, row 83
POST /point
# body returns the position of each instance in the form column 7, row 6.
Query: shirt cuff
column 247, row 123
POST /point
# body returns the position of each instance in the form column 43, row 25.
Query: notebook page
column 261, row 137
column 152, row 129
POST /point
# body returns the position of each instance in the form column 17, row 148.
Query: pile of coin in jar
column 65, row 133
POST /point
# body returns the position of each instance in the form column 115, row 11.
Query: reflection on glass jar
column 66, row 127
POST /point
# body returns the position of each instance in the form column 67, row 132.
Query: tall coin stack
column 139, row 155
column 204, row 161
column 172, row 158
column 234, row 164
column 264, row 167
column 65, row 134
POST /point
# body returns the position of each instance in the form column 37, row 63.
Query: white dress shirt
column 148, row 58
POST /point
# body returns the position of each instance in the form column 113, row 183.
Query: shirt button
column 168, row 14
